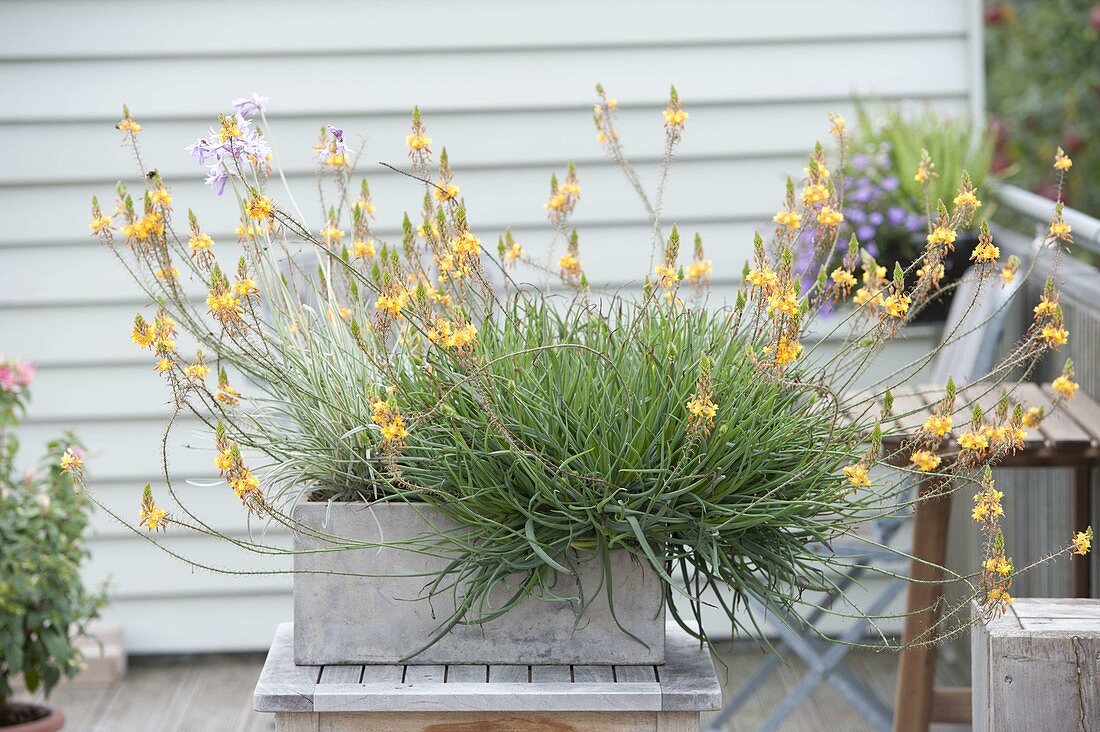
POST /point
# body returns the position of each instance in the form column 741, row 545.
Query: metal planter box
column 341, row 619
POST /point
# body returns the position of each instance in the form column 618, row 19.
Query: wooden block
column 1038, row 671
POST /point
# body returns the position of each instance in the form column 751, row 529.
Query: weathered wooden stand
column 412, row 698
column 1038, row 667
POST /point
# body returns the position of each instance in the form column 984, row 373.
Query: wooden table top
column 686, row 682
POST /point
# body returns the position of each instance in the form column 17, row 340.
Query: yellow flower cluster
column 789, row 218
column 363, row 249
column 71, row 462
column 570, row 265
column 260, row 207
column 987, row 504
column 148, row 226
column 389, row 419
column 392, row 301
column 452, row 335
column 230, row 465
column 418, row 141
column 699, row 269
column 1082, row 542
column 938, row 425
column 829, row 217
column 787, row 350
column 925, row 460
column 151, row 516
column 1062, row 162
column 858, row 475
column 332, row 233
column 461, row 257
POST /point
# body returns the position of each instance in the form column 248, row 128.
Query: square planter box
column 341, row 619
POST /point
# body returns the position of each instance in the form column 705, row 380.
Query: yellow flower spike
column 1082, row 542
column 925, row 461
column 570, row 265
column 1062, row 161
column 1065, row 387
column 764, row 279
column 418, row 141
column 363, row 249
column 938, row 425
column 838, row 126
column 967, row 199
column 858, row 475
column 1060, row 229
column 844, row 279
column 71, row 462
column 100, row 224
column 787, row 350
column 151, row 516
column 897, row 305
column 973, row 441
column 999, row 595
column 788, row 218
column 785, row 302
column 1033, row 416
column 943, row 235
column 814, row 193
column 829, row 217
column 260, row 207
column 332, row 234
column 1054, row 336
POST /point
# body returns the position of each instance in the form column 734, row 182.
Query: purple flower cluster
column 336, row 147
column 228, row 149
column 249, row 106
column 872, row 211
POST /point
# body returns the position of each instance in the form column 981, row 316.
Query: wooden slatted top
column 1073, row 429
column 685, row 682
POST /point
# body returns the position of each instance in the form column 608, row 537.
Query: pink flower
column 24, row 373
column 8, row 380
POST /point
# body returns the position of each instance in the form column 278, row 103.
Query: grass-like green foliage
column 575, row 436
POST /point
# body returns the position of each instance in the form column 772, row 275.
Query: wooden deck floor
column 213, row 693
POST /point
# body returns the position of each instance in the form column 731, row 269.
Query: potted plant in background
column 468, row 463
column 43, row 603
column 888, row 209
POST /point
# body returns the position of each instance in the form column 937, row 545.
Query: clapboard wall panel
column 506, row 86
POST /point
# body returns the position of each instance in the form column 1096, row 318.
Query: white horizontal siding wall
column 506, row 86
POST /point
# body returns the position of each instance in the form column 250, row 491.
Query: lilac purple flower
column 248, row 106
column 228, row 149
column 336, row 147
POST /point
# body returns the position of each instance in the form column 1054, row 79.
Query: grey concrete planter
column 341, row 619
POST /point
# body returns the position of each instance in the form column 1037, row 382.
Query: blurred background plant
column 43, row 603
column 1043, row 77
column 887, row 207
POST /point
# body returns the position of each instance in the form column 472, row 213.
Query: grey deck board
column 341, row 674
column 383, row 674
column 475, row 674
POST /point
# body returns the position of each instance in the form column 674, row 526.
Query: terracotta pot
column 51, row 722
